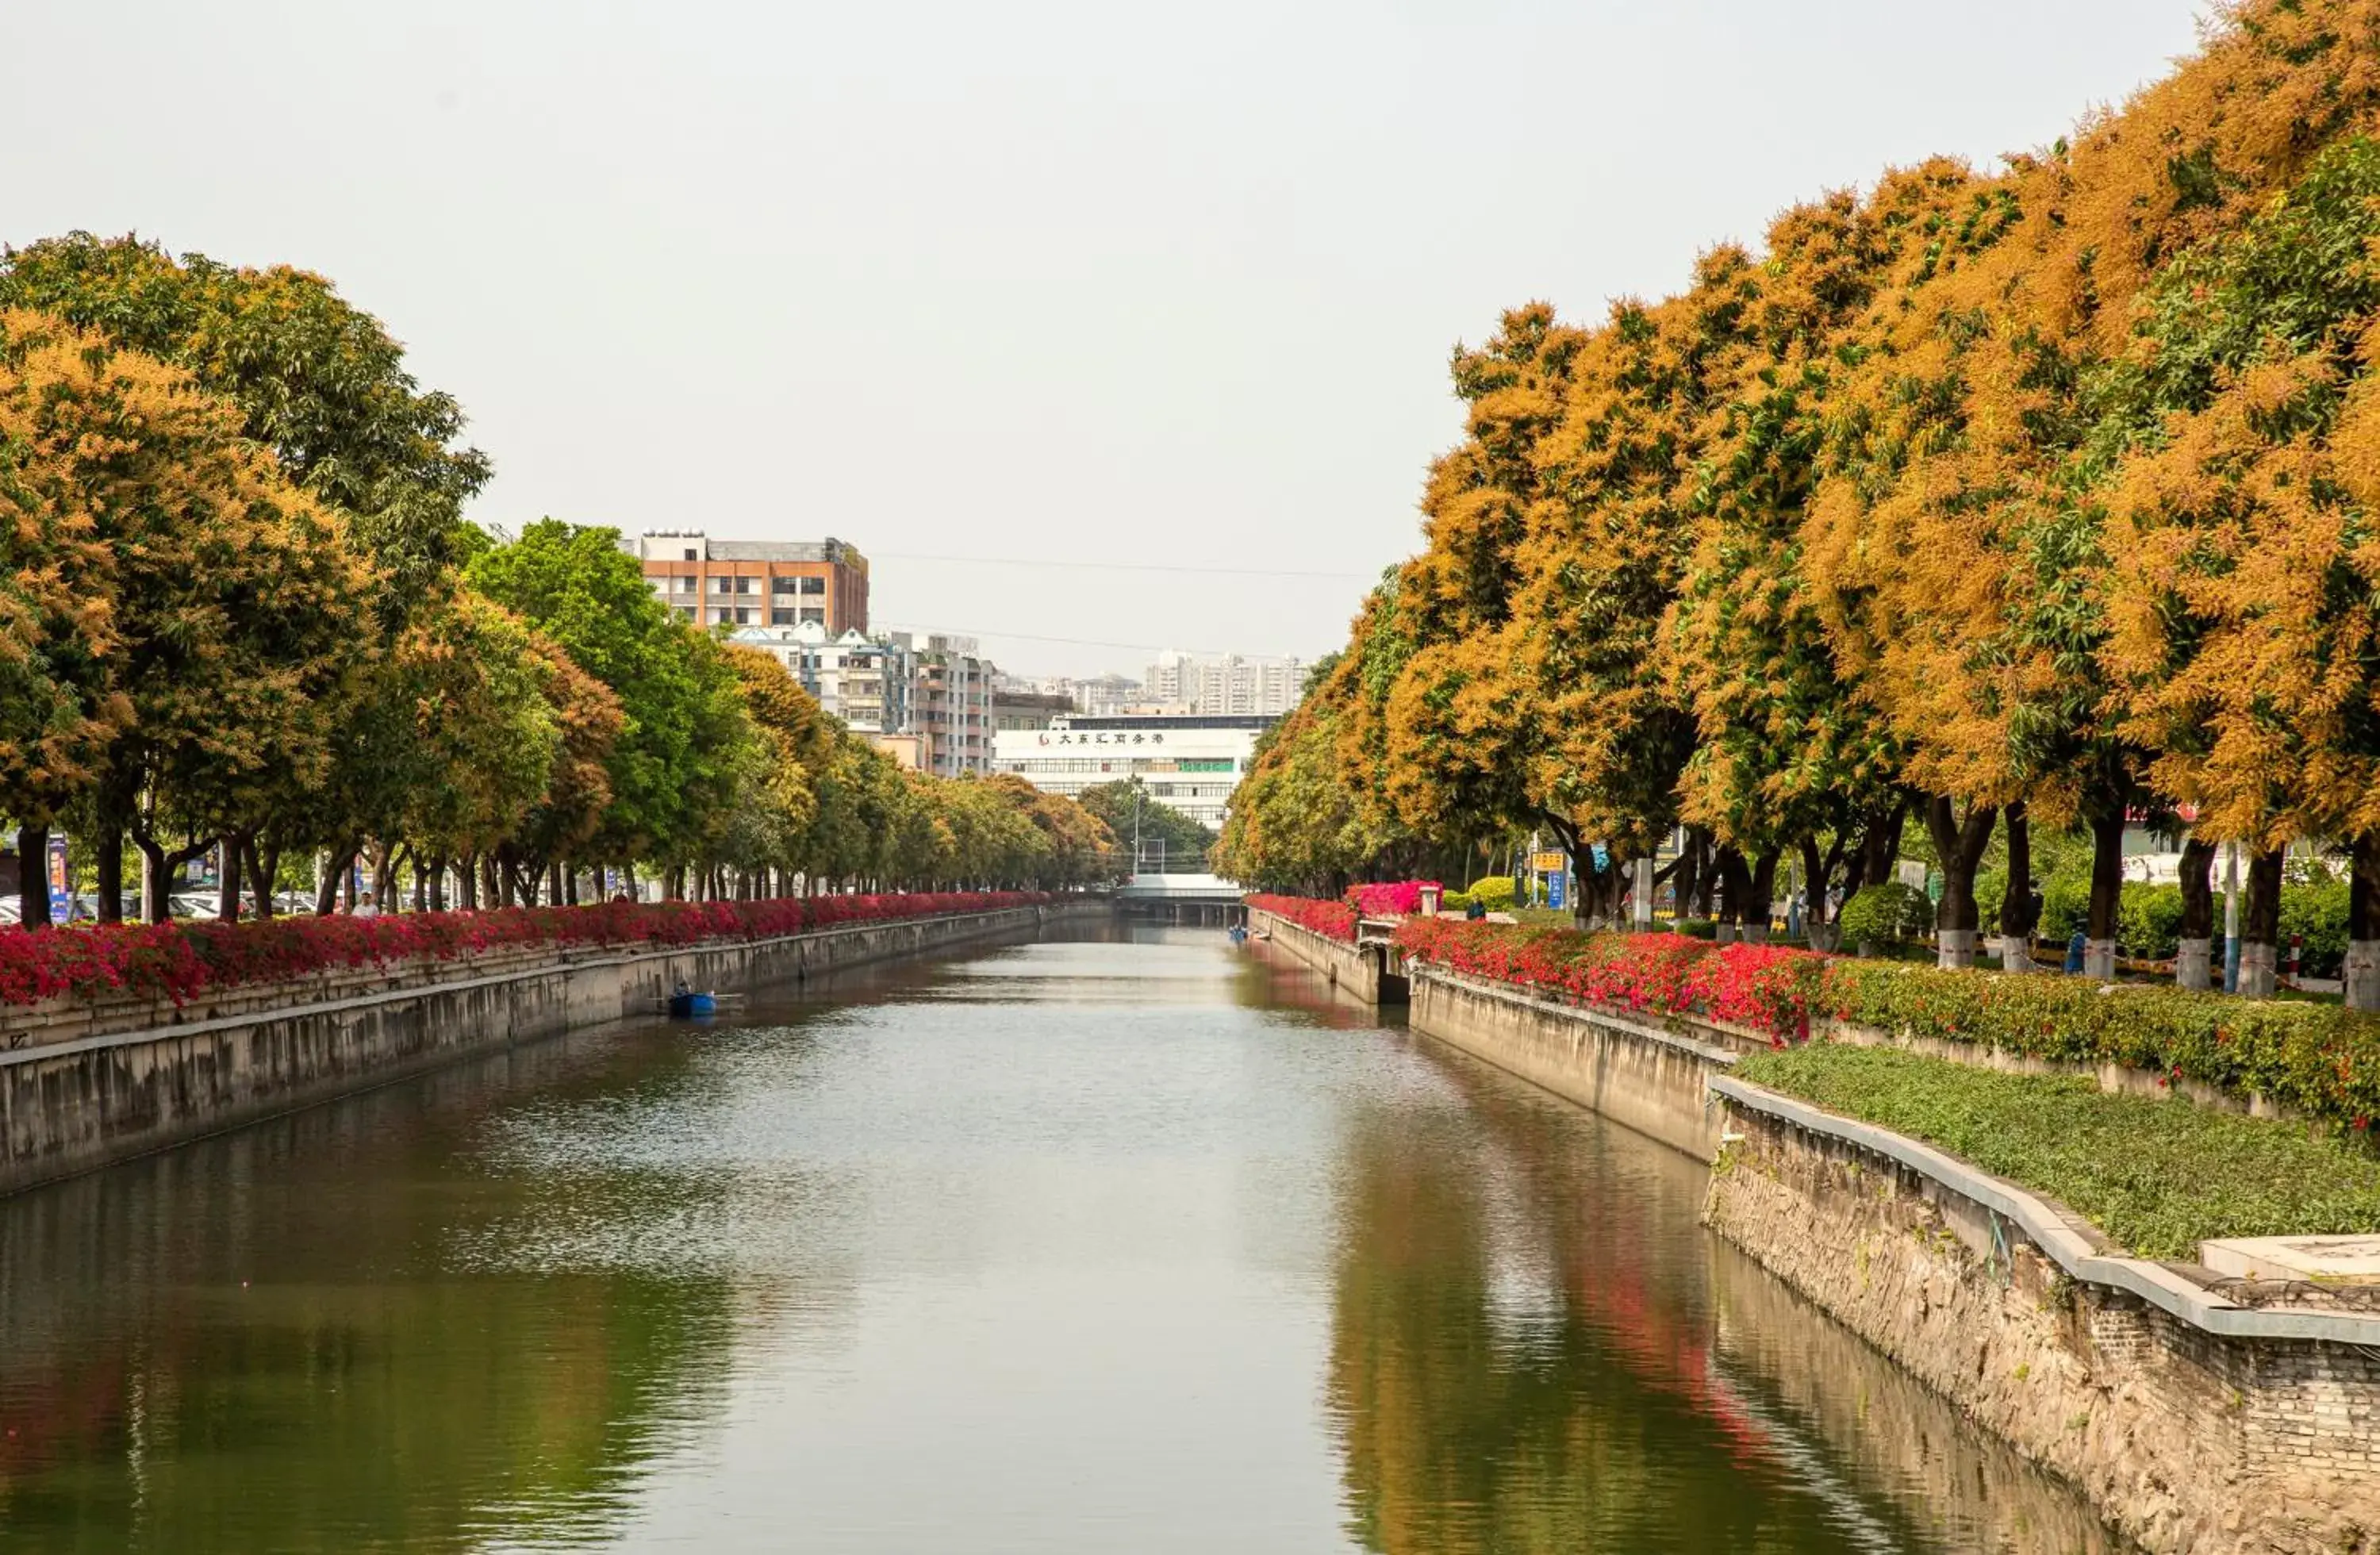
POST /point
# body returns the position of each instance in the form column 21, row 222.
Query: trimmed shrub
column 2318, row 912
column 2148, row 922
column 1884, row 913
column 1698, row 928
column 1496, row 892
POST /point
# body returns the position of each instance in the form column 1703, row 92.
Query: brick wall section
column 2186, row 1441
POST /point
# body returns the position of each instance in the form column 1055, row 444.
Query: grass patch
column 2157, row 1175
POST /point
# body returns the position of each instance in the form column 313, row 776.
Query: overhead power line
column 1110, row 566
column 1073, row 642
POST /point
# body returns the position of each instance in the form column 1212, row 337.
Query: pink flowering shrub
column 184, row 960
column 1387, row 898
column 1334, row 920
column 1768, row 987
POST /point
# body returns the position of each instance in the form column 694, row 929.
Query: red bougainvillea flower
column 183, row 961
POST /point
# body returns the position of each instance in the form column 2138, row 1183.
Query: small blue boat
column 684, row 1006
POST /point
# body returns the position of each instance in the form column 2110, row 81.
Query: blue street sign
column 1555, row 896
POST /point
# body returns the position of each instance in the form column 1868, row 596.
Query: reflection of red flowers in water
column 1657, row 1345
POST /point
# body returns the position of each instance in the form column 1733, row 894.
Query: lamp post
column 2231, row 918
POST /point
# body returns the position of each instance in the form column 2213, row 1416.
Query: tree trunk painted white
column 2361, row 970
column 1756, row 933
column 2193, row 965
column 1866, row 948
column 1724, row 934
column 2016, row 954
column 1823, row 936
column 1643, row 912
column 2099, row 960
column 1955, row 948
column 2257, row 963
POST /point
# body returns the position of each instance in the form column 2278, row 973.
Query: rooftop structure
column 756, row 583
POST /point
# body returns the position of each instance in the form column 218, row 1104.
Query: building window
column 690, row 554
column 723, row 586
column 748, row 585
column 813, row 585
column 744, row 617
column 685, row 613
column 782, row 584
column 781, row 617
column 817, row 615
column 719, row 618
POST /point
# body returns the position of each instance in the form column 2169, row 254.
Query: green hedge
column 2320, row 1059
column 2158, row 1176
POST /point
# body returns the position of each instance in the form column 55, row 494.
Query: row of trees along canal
column 2028, row 497
column 242, row 608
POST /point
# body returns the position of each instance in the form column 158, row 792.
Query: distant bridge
column 1184, row 898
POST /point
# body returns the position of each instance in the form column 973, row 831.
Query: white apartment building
column 929, row 695
column 1188, row 760
column 1227, row 686
column 1100, row 694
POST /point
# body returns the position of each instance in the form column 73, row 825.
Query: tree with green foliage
column 317, row 379
column 1126, row 808
column 683, row 732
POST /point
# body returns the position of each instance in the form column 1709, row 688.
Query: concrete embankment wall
column 2199, row 1416
column 1351, row 971
column 1634, row 1072
column 86, row 1083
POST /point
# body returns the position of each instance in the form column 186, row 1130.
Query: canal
column 1119, row 1243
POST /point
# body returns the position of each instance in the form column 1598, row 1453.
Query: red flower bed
column 1387, row 898
column 1334, row 920
column 182, row 960
column 1768, row 987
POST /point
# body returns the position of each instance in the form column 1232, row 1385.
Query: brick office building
column 756, row 583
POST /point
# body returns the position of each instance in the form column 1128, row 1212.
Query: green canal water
column 1119, row 1243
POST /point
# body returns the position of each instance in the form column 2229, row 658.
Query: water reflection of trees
column 350, row 1395
column 1528, row 1354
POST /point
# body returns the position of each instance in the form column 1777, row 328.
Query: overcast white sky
column 1050, row 280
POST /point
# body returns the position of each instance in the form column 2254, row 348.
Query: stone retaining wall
column 72, row 1097
column 2186, row 1440
column 2198, row 1416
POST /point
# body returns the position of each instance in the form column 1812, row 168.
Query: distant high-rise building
column 1229, row 685
column 756, row 583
